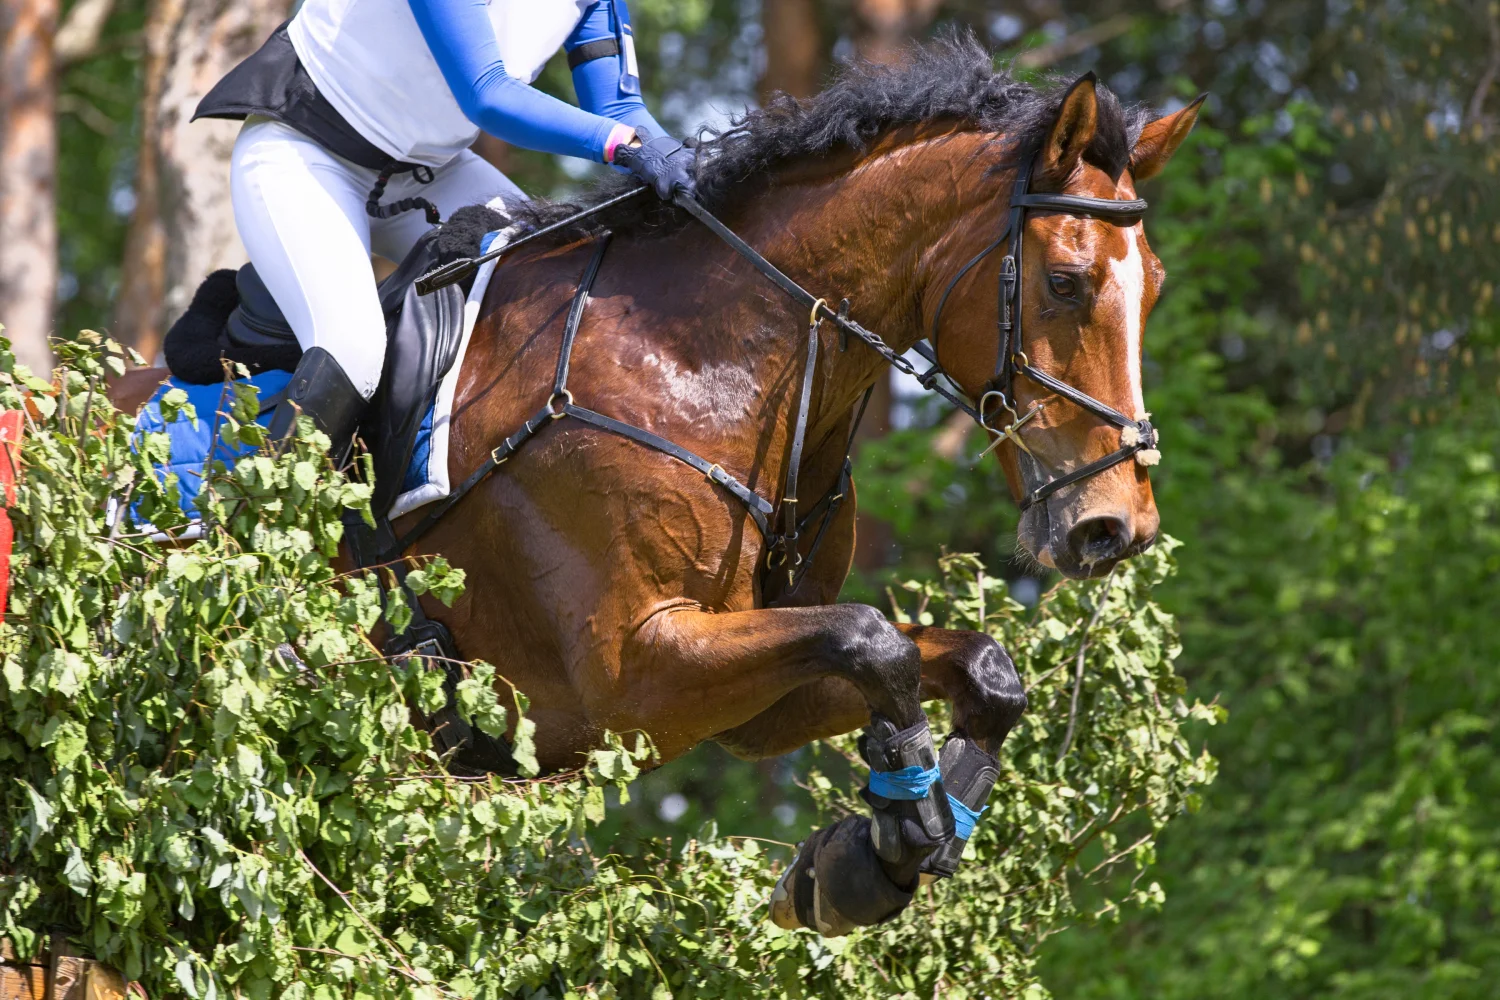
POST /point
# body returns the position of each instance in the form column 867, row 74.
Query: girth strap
column 760, row 510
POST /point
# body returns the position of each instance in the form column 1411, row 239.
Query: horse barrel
column 58, row 974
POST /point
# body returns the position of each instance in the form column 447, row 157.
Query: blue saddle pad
column 192, row 440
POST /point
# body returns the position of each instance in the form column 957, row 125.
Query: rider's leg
column 300, row 211
column 467, row 179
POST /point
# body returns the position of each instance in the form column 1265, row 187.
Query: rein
column 1138, row 437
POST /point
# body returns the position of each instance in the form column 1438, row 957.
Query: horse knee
column 995, row 699
column 878, row 659
column 865, row 641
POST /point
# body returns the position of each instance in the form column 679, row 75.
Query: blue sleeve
column 462, row 40
column 598, row 81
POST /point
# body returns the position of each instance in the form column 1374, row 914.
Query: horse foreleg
column 692, row 668
column 975, row 675
column 967, row 669
column 688, row 675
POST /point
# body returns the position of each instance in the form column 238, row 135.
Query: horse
column 621, row 589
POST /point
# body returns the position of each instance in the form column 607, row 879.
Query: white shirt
column 369, row 59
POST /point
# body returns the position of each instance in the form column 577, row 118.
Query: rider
column 350, row 89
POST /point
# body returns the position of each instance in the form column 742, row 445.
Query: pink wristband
column 620, row 133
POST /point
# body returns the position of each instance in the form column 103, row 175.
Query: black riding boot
column 320, row 389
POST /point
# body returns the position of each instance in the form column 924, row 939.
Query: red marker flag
column 11, row 426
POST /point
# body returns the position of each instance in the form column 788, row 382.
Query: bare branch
column 404, row 965
column 1118, row 855
column 78, row 36
column 87, row 112
column 1491, row 70
column 1083, row 648
column 1079, row 41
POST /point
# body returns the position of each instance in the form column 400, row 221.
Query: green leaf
column 185, row 979
column 305, row 475
column 76, row 872
column 39, row 821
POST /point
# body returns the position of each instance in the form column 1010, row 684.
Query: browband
column 1110, row 209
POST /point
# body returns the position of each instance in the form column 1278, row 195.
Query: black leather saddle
column 422, row 338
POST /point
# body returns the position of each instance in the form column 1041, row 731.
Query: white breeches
column 301, row 214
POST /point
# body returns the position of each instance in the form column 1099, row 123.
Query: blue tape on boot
column 964, row 818
column 908, row 784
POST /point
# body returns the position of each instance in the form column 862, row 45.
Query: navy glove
column 661, row 161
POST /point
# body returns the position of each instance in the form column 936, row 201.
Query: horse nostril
column 1099, row 539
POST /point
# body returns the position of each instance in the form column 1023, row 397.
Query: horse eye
column 1063, row 285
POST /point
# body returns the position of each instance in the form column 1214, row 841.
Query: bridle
column 1138, row 439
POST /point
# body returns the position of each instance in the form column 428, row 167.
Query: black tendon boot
column 969, row 773
column 320, row 390
column 861, row 870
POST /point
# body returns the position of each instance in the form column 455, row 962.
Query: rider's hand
column 661, row 161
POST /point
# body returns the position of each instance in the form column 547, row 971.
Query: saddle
column 235, row 318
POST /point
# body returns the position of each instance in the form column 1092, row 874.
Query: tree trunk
column 496, row 152
column 183, row 226
column 794, row 48
column 28, row 167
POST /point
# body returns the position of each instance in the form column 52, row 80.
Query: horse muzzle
column 1080, row 539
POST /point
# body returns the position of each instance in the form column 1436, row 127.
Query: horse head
column 1087, row 283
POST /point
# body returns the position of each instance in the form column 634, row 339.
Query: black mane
column 952, row 79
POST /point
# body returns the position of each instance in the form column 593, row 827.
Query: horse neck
column 878, row 230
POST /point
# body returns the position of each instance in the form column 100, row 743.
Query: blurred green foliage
column 97, row 139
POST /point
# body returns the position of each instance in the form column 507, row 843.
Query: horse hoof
column 798, row 901
column 836, row 883
column 794, row 900
column 783, row 912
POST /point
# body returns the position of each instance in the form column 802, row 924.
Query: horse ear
column 1073, row 130
column 1160, row 140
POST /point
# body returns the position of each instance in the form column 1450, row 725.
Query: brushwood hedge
column 210, row 778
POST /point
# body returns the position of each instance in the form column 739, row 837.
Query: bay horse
column 620, row 589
